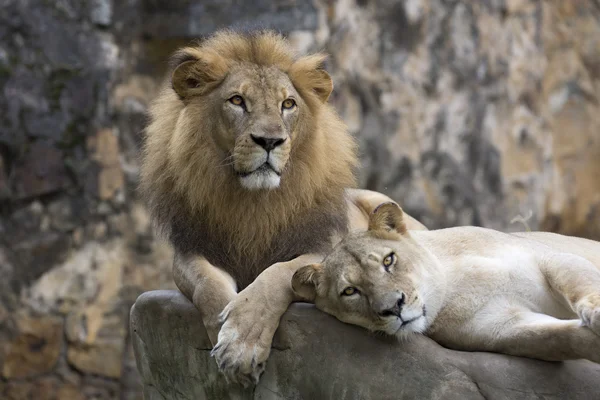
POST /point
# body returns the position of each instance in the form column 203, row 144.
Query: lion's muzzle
column 259, row 160
column 268, row 143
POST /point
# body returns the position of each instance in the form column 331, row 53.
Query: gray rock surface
column 177, row 19
column 466, row 112
column 317, row 357
column 76, row 244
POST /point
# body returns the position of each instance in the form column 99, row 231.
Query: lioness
column 246, row 165
column 527, row 294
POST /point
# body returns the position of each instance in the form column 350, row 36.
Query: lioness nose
column 267, row 143
column 396, row 309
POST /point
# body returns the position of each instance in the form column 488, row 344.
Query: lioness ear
column 308, row 73
column 196, row 71
column 388, row 217
column 304, row 281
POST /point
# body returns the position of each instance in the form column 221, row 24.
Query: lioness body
column 504, row 285
column 528, row 294
column 246, row 169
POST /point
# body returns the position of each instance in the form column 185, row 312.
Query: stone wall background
column 466, row 112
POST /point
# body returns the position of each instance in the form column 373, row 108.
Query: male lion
column 245, row 165
column 527, row 294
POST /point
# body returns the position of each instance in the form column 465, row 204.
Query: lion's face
column 251, row 111
column 376, row 279
column 259, row 109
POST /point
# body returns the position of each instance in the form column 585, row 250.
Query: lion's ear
column 388, row 217
column 304, row 281
column 308, row 73
column 196, row 71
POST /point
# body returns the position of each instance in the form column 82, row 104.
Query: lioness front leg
column 208, row 287
column 578, row 281
column 251, row 319
column 533, row 335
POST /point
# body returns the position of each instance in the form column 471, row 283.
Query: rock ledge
column 317, row 357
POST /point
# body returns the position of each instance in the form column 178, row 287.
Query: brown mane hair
column 198, row 202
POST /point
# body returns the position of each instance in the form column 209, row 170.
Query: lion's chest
column 244, row 255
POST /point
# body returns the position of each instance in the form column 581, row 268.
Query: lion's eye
column 349, row 291
column 288, row 104
column 389, row 260
column 237, row 100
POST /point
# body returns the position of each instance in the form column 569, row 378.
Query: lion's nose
column 267, row 143
column 396, row 309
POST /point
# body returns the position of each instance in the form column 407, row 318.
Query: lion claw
column 242, row 361
column 231, row 362
column 214, row 350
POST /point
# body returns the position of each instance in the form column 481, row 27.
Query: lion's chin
column 260, row 179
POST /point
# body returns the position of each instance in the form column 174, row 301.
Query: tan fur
column 530, row 294
column 184, row 173
column 232, row 231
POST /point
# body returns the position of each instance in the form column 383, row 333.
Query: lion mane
column 195, row 198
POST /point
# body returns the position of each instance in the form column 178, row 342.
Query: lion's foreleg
column 251, row 319
column 208, row 287
column 578, row 281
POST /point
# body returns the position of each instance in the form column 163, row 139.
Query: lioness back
column 487, row 242
column 585, row 248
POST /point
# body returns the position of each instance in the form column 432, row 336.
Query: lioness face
column 259, row 110
column 374, row 283
column 375, row 279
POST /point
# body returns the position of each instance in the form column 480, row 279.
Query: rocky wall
column 466, row 113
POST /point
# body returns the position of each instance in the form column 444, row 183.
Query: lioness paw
column 588, row 309
column 244, row 343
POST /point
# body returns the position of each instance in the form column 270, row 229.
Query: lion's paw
column 244, row 343
column 588, row 309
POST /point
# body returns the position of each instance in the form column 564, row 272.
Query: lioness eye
column 389, row 260
column 288, row 104
column 237, row 100
column 349, row 291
